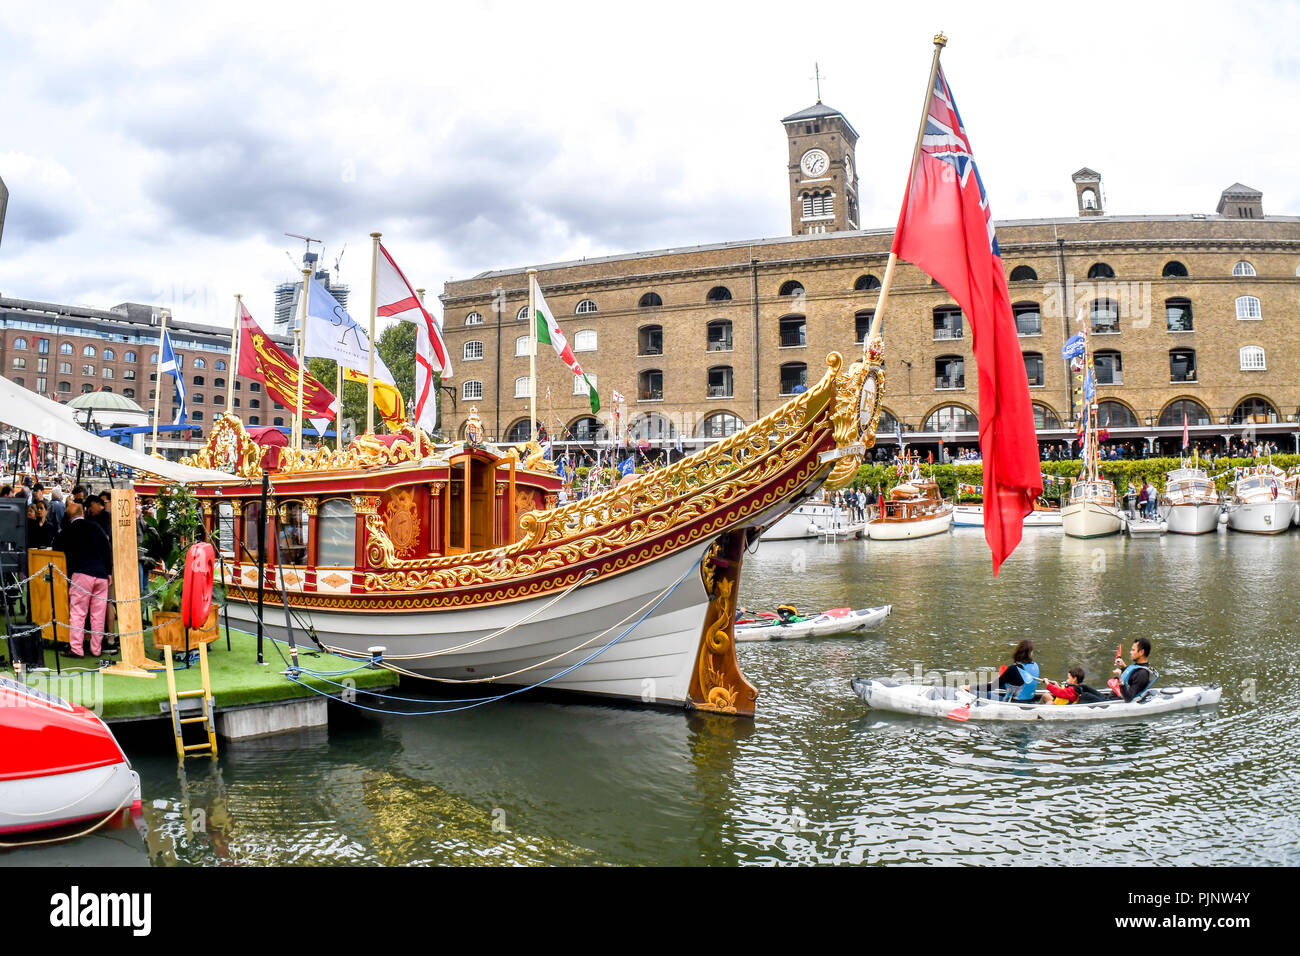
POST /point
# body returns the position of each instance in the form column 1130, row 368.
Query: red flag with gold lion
column 264, row 361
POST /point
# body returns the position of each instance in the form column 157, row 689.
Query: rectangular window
column 720, row 382
column 1110, row 369
column 580, row 384
column 947, row 324
column 521, row 387
column 521, row 346
column 471, row 391
column 44, row 347
column 40, row 386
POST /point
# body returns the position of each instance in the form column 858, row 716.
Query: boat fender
column 196, row 594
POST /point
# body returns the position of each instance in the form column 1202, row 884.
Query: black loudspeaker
column 25, row 646
column 13, row 524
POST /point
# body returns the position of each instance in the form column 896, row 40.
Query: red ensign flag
column 946, row 229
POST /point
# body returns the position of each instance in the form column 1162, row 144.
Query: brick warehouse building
column 61, row 351
column 1196, row 313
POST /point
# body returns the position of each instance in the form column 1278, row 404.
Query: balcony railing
column 720, row 391
column 720, row 346
column 650, row 395
column 946, row 334
column 949, row 381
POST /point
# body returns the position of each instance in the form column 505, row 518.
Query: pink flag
column 394, row 298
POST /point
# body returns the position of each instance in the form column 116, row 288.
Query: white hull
column 652, row 663
column 1088, row 519
column 972, row 516
column 1144, row 528
column 1193, row 518
column 30, row 803
column 918, row 528
column 928, row 701
column 823, row 625
column 1262, row 517
column 800, row 524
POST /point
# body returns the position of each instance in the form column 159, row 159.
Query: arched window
column 650, row 340
column 719, row 336
column 129, row 392
column 1182, row 365
column 650, row 300
column 1178, row 315
column 866, row 283
column 720, row 425
column 65, row 387
column 1174, row 270
column 278, row 422
column 129, row 357
column 719, row 293
column 218, row 383
column 1088, row 199
column 1175, row 411
column 1105, row 316
column 20, row 343
column 1109, row 364
column 86, row 387
column 107, row 388
column 888, row 424
column 794, row 330
column 88, row 351
column 109, row 355
column 522, row 344
column 794, row 378
column 580, row 386
column 862, row 324
column 521, row 387
column 520, row 431
column 200, row 363
column 1023, row 274
column 1034, row 368
column 952, row 418
column 720, row 382
column 291, row 533
column 792, row 288
column 522, row 313
column 254, row 403
column 650, row 385
column 196, row 399
column 87, row 370
column 1252, row 359
column 19, row 362
column 472, row 351
column 1029, row 319
column 221, row 365
column 1113, row 414
column 1248, row 308
column 254, row 386
column 818, row 205
column 198, row 380
column 106, row 372
column 949, row 372
column 947, row 323
column 585, row 307
column 336, row 534
column 474, row 318
column 65, row 348
column 1243, row 268
column 588, row 428
column 652, row 427
column 1044, row 417
column 585, row 341
column 1100, row 270
column 1259, row 411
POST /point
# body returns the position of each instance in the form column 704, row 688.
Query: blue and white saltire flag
column 168, row 365
column 1074, row 346
column 625, row 466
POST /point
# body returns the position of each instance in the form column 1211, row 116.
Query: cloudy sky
column 158, row 152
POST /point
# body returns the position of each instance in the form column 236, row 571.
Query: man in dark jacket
column 1137, row 677
column 90, row 557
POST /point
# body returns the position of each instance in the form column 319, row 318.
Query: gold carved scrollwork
column 532, row 457
column 365, row 451
column 207, row 508
column 310, row 506
column 855, row 415
column 237, row 506
column 365, row 504
column 718, row 684
column 230, row 449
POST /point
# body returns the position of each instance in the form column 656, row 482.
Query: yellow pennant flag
column 388, row 400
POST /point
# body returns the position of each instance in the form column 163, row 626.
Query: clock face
column 815, row 162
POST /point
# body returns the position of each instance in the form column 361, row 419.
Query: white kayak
column 931, row 701
column 837, row 621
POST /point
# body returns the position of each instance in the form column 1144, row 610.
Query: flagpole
column 234, row 355
column 338, row 415
column 370, row 379
column 940, row 41
column 302, row 359
column 157, row 392
column 532, row 353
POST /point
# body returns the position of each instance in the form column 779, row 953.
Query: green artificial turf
column 237, row 678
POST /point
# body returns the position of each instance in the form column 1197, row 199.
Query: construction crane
column 337, row 260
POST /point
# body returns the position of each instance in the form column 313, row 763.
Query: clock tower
column 822, row 171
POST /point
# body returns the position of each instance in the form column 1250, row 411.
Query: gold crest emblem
column 402, row 522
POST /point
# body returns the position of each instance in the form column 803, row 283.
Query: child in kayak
column 1068, row 693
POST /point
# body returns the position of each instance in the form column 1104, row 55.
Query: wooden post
column 126, row 588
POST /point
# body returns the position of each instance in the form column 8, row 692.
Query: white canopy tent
column 50, row 421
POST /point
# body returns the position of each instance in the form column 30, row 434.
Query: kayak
column 835, row 621
column 932, row 701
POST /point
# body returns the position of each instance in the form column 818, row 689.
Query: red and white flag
column 1185, row 435
column 394, row 298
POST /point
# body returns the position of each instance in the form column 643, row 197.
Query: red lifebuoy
column 196, row 593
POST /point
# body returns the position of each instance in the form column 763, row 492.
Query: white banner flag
column 333, row 334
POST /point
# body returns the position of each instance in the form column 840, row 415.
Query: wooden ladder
column 206, row 717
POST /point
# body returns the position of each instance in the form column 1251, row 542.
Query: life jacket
column 1132, row 669
column 1029, row 688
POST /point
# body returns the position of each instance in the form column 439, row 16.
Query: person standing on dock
column 90, row 556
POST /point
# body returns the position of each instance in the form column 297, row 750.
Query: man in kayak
column 1137, row 677
column 1019, row 682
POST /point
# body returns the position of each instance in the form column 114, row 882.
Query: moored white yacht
column 1092, row 511
column 1190, row 504
column 1261, row 503
column 914, row 509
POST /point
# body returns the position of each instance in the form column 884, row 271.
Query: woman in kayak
column 1019, row 682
